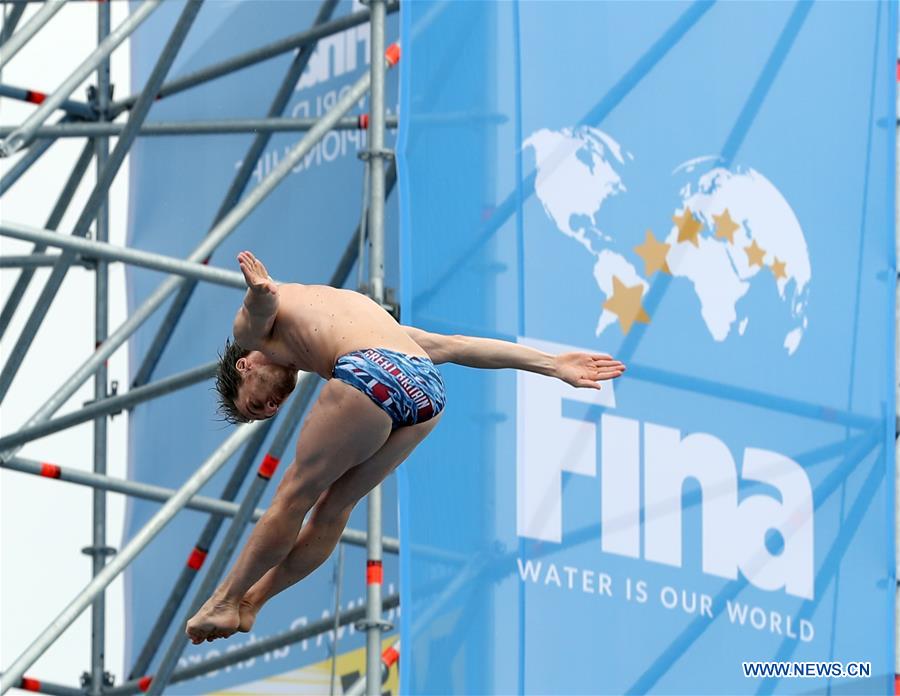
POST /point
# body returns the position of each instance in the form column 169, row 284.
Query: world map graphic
column 731, row 226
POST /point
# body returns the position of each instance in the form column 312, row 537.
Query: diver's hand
column 587, row 369
column 255, row 274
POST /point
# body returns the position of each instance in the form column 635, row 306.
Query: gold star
column 778, row 269
column 625, row 303
column 725, row 226
column 688, row 227
column 755, row 254
column 654, row 254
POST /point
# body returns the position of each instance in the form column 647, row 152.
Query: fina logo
column 735, row 532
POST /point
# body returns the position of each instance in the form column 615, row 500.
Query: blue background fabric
column 300, row 232
column 731, row 497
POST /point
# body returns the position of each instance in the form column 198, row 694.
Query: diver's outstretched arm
column 577, row 368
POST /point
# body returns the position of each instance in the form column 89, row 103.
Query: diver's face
column 264, row 386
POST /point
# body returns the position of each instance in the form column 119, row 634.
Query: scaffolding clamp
column 108, row 679
column 113, row 391
column 365, row 625
column 366, row 155
column 98, row 551
column 89, row 262
column 93, row 96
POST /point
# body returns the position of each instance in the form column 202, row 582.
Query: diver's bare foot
column 248, row 611
column 216, row 619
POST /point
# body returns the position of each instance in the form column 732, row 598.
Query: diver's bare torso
column 317, row 324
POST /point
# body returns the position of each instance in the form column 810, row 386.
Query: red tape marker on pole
column 195, row 560
column 268, row 466
column 392, row 54
column 390, row 656
column 374, row 573
column 50, row 470
column 29, row 684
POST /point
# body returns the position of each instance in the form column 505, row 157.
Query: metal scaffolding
column 95, row 120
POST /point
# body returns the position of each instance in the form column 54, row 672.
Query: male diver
column 383, row 395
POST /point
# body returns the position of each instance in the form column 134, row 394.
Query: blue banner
column 705, row 191
column 300, row 232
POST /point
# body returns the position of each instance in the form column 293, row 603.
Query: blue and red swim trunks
column 408, row 388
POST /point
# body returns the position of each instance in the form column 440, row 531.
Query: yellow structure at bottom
column 315, row 679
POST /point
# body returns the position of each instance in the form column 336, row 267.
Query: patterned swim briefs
column 406, row 387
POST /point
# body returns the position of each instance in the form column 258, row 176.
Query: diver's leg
column 323, row 530
column 324, row 453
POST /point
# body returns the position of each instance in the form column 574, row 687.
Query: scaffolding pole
column 351, row 251
column 897, row 404
column 474, row 567
column 99, row 549
column 38, row 260
column 376, row 154
column 14, row 141
column 233, row 194
column 11, row 21
column 110, row 405
column 89, row 249
column 234, row 126
column 147, row 491
column 32, row 96
column 136, row 489
column 45, row 687
column 15, row 43
column 338, row 583
column 119, row 562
